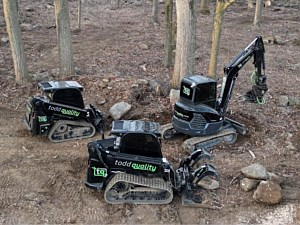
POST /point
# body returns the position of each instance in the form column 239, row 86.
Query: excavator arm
column 256, row 50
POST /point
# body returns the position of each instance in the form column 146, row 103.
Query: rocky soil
column 43, row 182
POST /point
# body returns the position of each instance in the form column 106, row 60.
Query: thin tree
column 221, row 6
column 250, row 4
column 16, row 45
column 168, row 32
column 258, row 11
column 185, row 41
column 66, row 66
column 79, row 16
column 155, row 11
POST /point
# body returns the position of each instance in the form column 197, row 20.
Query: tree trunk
column 250, row 4
column 14, row 34
column 204, row 7
column 155, row 11
column 185, row 43
column 66, row 66
column 221, row 6
column 168, row 32
column 258, row 10
column 79, row 16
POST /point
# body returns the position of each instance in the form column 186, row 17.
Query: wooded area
column 119, row 59
column 185, row 31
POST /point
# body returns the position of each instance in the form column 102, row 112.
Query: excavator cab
column 198, row 90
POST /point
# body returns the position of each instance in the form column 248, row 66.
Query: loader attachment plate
column 201, row 198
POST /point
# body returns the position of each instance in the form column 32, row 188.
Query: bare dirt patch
column 42, row 182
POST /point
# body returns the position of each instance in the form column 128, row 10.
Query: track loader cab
column 63, row 92
column 59, row 112
column 195, row 113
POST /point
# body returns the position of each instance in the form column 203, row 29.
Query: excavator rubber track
column 228, row 135
column 129, row 188
column 167, row 131
column 65, row 130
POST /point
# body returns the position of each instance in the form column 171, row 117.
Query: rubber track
column 156, row 183
column 78, row 125
column 164, row 128
column 190, row 143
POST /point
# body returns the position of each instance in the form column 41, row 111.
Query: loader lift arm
column 256, row 50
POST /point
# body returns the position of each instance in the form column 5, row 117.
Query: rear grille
column 198, row 122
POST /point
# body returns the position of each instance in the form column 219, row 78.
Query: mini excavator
column 130, row 168
column 60, row 113
column 201, row 115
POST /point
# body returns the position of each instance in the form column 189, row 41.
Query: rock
column 174, row 95
column 4, row 39
column 105, row 80
column 44, row 76
column 248, row 184
column 144, row 46
column 78, row 71
column 156, row 87
column 103, row 84
column 271, row 40
column 134, row 85
column 29, row 9
column 101, row 101
column 142, row 81
column 119, row 109
column 268, row 192
column 283, row 101
column 294, row 101
column 143, row 67
column 27, row 26
column 49, row 6
column 274, row 177
column 208, row 183
column 255, row 171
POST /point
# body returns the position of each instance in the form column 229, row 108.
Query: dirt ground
column 43, row 182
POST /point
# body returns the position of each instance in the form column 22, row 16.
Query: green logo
column 70, row 112
column 136, row 166
column 100, row 172
column 42, row 118
column 146, row 167
column 178, row 114
column 186, row 91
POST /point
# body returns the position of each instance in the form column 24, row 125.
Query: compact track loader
column 60, row 113
column 130, row 168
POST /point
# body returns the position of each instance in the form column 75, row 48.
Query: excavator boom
column 256, row 50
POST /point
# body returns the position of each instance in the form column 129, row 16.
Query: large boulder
column 268, row 192
column 119, row 109
column 255, row 171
